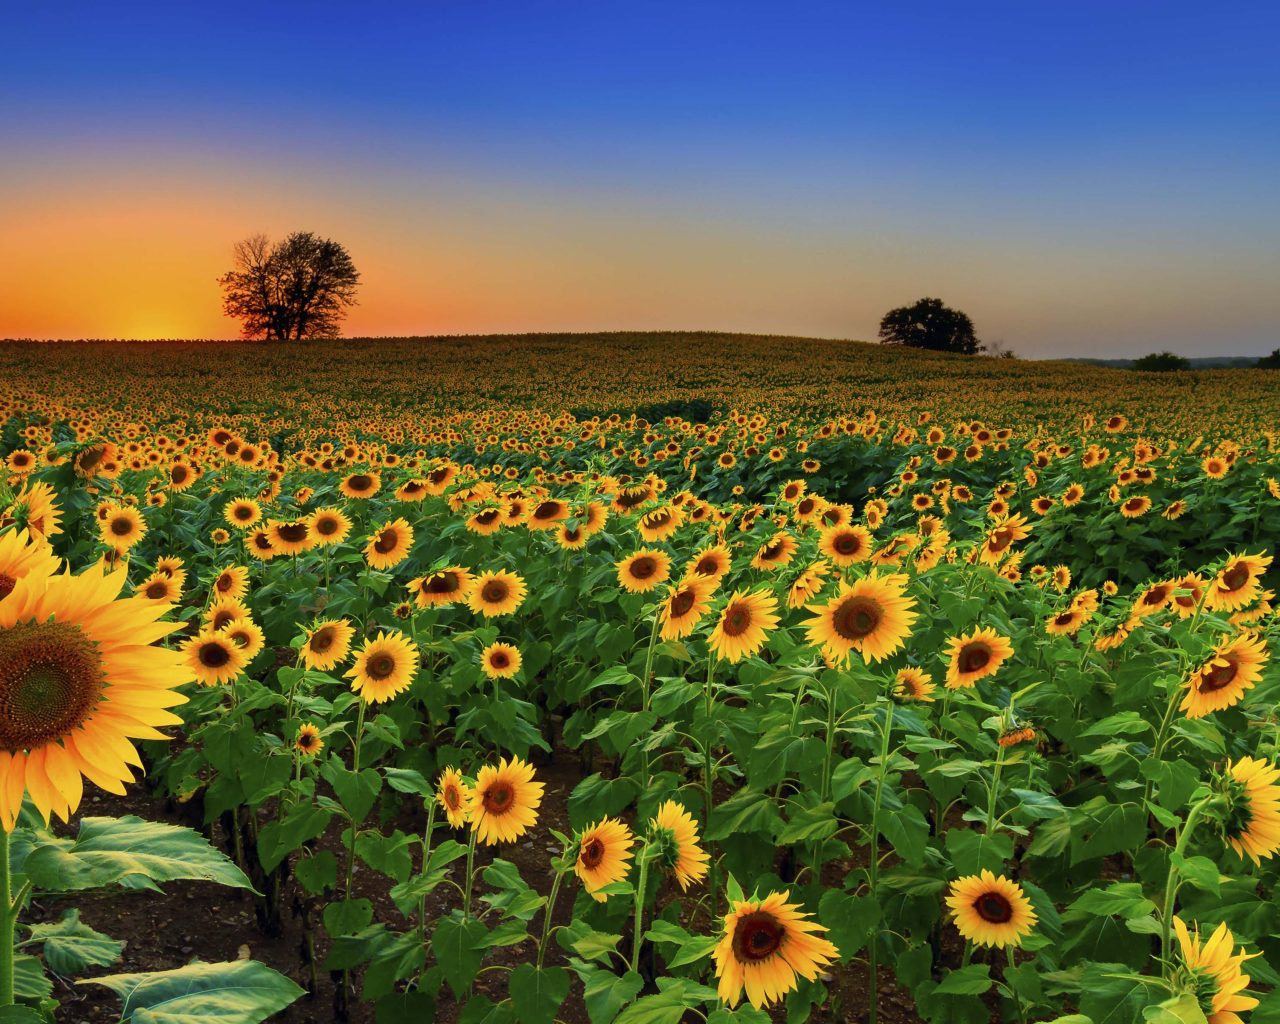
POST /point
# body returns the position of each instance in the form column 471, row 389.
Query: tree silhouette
column 297, row 288
column 929, row 324
column 1271, row 362
column 1162, row 362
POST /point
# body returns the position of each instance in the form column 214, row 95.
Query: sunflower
column 766, row 944
column 442, row 587
column 308, row 742
column 712, row 562
column 684, row 607
column 744, row 625
column 991, row 910
column 122, row 528
column 644, row 570
column 1066, row 623
column 678, row 834
column 1253, row 817
column 247, row 635
column 913, row 684
column 390, row 545
column 603, row 852
column 258, row 544
column 361, row 485
column 976, row 656
column 79, row 680
column 1001, row 537
column 384, row 666
column 213, row 658
column 775, row 552
column 328, row 526
column 224, row 611
column 808, row 584
column 454, row 796
column 1153, row 599
column 496, row 593
column 1213, row 974
column 327, row 644
column 1136, row 507
column 23, row 555
column 873, row 617
column 232, row 582
column 1238, row 584
column 160, row 587
column 289, row 537
column 485, row 522
column 503, row 805
column 38, row 510
column 412, row 490
column 1234, row 668
column 846, row 545
column 1185, row 604
column 500, row 661
column 547, row 514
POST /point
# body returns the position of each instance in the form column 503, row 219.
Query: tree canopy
column 1162, row 362
column 932, row 325
column 296, row 288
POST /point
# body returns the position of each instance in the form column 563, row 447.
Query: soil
column 193, row 920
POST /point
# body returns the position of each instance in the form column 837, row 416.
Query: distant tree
column 929, row 324
column 999, row 350
column 1162, row 362
column 295, row 289
column 1271, row 362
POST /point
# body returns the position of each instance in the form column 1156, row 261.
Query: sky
column 1083, row 178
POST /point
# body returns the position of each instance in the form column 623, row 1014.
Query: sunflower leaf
column 239, row 992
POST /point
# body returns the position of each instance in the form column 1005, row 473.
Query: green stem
column 1161, row 736
column 355, row 825
column 831, row 743
column 546, row 917
column 873, row 866
column 1171, row 884
column 644, row 700
column 995, row 790
column 708, row 773
column 7, row 922
column 642, row 884
column 471, row 860
column 426, row 859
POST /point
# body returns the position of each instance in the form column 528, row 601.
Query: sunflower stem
column 829, row 756
column 1172, row 883
column 708, row 771
column 644, row 700
column 426, row 859
column 994, row 792
column 641, row 886
column 546, row 916
column 873, row 866
column 471, row 861
column 355, row 767
column 10, row 920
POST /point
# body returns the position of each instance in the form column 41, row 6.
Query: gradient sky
column 1083, row 178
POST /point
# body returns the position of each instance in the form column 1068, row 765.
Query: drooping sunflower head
column 327, row 644
column 744, row 625
column 308, row 742
column 500, row 661
column 975, row 656
column 1214, row 974
column 496, row 593
column 685, row 606
column 644, row 570
column 808, row 584
column 677, row 835
column 766, row 944
column 454, row 796
column 913, row 684
column 991, row 910
column 1234, row 668
column 384, row 667
column 1253, row 807
column 389, row 545
column 604, row 850
column 872, row 616
column 504, row 801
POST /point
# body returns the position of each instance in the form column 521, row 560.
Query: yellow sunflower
column 766, row 944
column 775, row 552
column 328, row 526
column 603, row 852
column 500, row 661
column 328, row 643
column 976, row 656
column 685, row 606
column 504, row 803
column 1004, row 533
column 213, row 658
column 846, row 545
column 991, row 910
column 496, row 593
column 678, row 833
column 713, row 562
column 744, row 625
column 224, row 611
column 454, row 796
column 122, row 528
column 390, row 544
column 247, row 635
column 22, row 555
column 79, row 680
column 1213, row 974
column 291, row 537
column 442, row 587
column 1238, row 584
column 384, row 667
column 873, row 617
column 1234, row 668
column 232, row 582
column 644, row 570
column 808, row 584
column 1253, row 817
column 160, row 587
column 361, row 485
column 913, row 684
column 308, row 742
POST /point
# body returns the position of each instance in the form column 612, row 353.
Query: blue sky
column 1082, row 178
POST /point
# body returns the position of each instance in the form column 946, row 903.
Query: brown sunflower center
column 441, row 583
column 707, row 567
column 847, row 544
column 380, row 666
column 1235, row 577
column 292, row 533
column 993, row 908
column 770, row 552
column 155, row 590
column 359, row 482
column 1000, row 539
column 50, row 680
column 856, row 617
column 682, row 603
column 592, row 853
column 122, row 526
column 499, row 797
column 757, row 937
column 1065, row 619
column 499, row 660
column 452, row 798
column 737, row 620
column 1157, row 595
column 386, row 542
column 643, row 568
column 547, row 510
column 1217, row 677
column 974, row 657
column 495, row 592
column 243, row 512
column 326, row 526
column 225, row 582
column 322, row 639
column 214, row 654
column 7, row 583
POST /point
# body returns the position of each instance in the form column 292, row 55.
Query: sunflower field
column 618, row 680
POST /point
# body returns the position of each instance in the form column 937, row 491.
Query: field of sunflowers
column 636, row 679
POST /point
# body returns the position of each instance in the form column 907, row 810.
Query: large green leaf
column 111, row 851
column 240, row 992
column 70, row 945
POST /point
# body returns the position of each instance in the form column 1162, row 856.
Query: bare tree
column 297, row 288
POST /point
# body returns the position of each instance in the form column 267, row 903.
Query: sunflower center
column 772, row 551
column 1065, row 619
column 499, row 797
column 487, row 516
column 243, row 512
column 7, row 583
column 856, row 618
column 1235, row 577
column 294, row 533
column 326, row 526
column 155, row 590
column 993, row 908
column 50, row 680
column 1157, row 595
column 452, row 798
column 974, row 658
column 499, row 659
column 225, row 582
column 737, row 620
column 682, row 603
column 214, row 654
column 386, row 542
column 706, row 567
column 122, row 526
column 494, row 592
column 360, row 482
column 847, row 544
column 1217, row 677
column 547, row 510
column 643, row 568
column 592, row 853
column 380, row 666
column 757, row 937
column 1000, row 539
column 441, row 583
column 321, row 640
